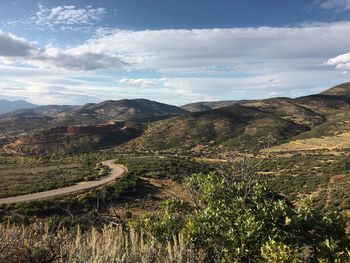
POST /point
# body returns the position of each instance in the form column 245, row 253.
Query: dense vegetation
column 325, row 177
column 235, row 218
column 174, row 168
column 232, row 218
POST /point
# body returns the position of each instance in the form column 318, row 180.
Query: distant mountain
column 342, row 90
column 208, row 105
column 138, row 110
column 7, row 106
column 25, row 120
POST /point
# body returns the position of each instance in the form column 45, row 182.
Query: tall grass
column 41, row 243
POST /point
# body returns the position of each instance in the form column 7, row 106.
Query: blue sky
column 74, row 52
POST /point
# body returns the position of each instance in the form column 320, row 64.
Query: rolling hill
column 225, row 126
column 208, row 105
column 74, row 139
column 136, row 110
column 21, row 121
column 255, row 123
column 342, row 90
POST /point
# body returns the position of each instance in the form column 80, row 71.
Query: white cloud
column 252, row 50
column 190, row 65
column 67, row 17
column 340, row 62
column 235, row 48
column 339, row 5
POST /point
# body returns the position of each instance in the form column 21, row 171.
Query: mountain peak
column 8, row 106
column 339, row 90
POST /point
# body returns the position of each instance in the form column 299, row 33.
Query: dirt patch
column 149, row 195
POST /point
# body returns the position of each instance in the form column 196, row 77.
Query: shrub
column 237, row 219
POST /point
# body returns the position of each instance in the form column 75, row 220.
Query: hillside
column 288, row 109
column 8, row 106
column 15, row 123
column 208, row 105
column 226, row 126
column 137, row 110
column 329, row 143
column 74, row 139
column 342, row 90
column 256, row 123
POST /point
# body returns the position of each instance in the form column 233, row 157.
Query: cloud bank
column 197, row 64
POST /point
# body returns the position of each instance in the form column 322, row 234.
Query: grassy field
column 328, row 143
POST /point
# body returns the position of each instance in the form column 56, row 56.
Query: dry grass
column 330, row 143
column 111, row 244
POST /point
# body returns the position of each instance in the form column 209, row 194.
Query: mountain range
column 50, row 116
column 157, row 126
column 8, row 106
column 254, row 123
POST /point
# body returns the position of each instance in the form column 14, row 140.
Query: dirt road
column 116, row 172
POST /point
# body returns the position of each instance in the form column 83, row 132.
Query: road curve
column 116, row 172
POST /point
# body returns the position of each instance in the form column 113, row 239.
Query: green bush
column 240, row 220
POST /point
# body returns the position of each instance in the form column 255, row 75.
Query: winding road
column 117, row 171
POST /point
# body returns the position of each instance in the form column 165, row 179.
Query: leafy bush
column 237, row 219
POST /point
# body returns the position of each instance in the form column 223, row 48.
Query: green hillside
column 255, row 123
column 226, row 126
column 74, row 139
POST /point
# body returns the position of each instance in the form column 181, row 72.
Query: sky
column 172, row 51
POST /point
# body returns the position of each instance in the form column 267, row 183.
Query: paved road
column 116, row 171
